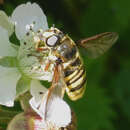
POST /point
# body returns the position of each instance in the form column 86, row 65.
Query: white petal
column 57, row 111
column 37, row 91
column 5, row 45
column 6, row 23
column 26, row 15
column 8, row 80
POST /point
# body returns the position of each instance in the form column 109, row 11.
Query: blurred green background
column 106, row 103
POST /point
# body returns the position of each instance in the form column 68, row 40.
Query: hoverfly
column 68, row 69
column 65, row 55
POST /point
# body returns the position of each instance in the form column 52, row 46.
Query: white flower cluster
column 20, row 73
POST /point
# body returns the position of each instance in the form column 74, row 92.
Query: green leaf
column 23, row 85
column 8, row 61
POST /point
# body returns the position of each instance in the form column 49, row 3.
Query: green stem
column 24, row 101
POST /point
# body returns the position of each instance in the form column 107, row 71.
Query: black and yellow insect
column 67, row 56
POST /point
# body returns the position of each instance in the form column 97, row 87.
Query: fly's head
column 48, row 42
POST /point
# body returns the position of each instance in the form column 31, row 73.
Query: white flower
column 49, row 115
column 21, row 70
column 17, row 69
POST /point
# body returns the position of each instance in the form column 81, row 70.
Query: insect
column 64, row 54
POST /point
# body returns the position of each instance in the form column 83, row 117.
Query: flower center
column 32, row 62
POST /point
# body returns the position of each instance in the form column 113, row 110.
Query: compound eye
column 52, row 41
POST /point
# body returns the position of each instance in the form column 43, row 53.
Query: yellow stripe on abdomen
column 76, row 84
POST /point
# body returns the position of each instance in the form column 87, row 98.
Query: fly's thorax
column 67, row 49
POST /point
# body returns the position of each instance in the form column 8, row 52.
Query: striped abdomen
column 74, row 72
column 75, row 79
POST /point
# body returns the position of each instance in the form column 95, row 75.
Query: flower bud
column 31, row 121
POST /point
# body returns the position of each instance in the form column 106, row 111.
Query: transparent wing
column 98, row 44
